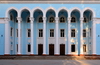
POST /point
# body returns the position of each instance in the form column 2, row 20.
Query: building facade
column 49, row 27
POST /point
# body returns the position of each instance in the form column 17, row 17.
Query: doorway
column 40, row 49
column 51, row 49
column 62, row 49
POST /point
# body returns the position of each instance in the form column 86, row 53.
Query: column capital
column 19, row 18
column 44, row 18
column 56, row 19
column 69, row 19
column 6, row 19
column 31, row 18
column 94, row 19
column 81, row 19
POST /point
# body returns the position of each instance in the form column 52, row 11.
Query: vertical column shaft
column 56, row 45
column 7, row 36
column 94, row 36
column 19, row 35
column 32, row 44
column 44, row 35
column 69, row 36
column 81, row 36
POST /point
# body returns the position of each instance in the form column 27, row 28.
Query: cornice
column 49, row 2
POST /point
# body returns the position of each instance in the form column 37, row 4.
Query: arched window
column 28, row 20
column 11, row 17
column 51, row 19
column 90, row 17
column 62, row 19
column 40, row 20
column 85, row 19
column 73, row 20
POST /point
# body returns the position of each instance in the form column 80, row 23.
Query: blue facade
column 24, row 26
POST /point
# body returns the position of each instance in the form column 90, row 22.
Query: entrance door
column 62, row 49
column 40, row 49
column 51, row 49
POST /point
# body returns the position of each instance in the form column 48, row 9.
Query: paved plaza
column 49, row 62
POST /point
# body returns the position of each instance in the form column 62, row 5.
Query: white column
column 81, row 36
column 32, row 22
column 94, row 36
column 7, row 36
column 44, row 35
column 57, row 44
column 69, row 37
column 19, row 35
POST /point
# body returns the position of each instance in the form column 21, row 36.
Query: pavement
column 50, row 62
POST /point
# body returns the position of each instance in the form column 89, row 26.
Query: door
column 40, row 49
column 51, row 49
column 62, row 49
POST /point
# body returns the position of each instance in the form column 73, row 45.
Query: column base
column 19, row 54
column 6, row 54
column 81, row 55
column 94, row 55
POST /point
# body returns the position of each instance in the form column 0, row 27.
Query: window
column 17, row 47
column 51, row 19
column 11, row 17
column 17, row 32
column 62, row 19
column 40, row 20
column 84, row 20
column 28, row 33
column 28, row 20
column 90, row 17
column 84, row 33
column 29, row 48
column 73, row 20
column 84, row 48
column 11, row 46
column 73, row 48
column 11, row 31
column 40, row 32
column 73, row 33
column 16, row 21
column 90, row 32
column 62, row 33
column 51, row 32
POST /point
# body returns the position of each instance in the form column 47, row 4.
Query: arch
column 76, row 8
column 37, row 8
column 90, row 9
column 50, row 8
column 24, row 8
column 63, row 8
column 9, row 9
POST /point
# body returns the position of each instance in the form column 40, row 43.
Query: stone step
column 44, row 57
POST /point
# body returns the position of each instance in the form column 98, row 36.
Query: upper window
column 28, row 32
column 84, row 33
column 28, row 20
column 11, row 33
column 17, row 32
column 84, row 20
column 62, row 19
column 73, row 33
column 40, row 20
column 40, row 32
column 62, row 33
column 90, row 32
column 73, row 20
column 11, row 17
column 51, row 32
column 51, row 19
column 90, row 17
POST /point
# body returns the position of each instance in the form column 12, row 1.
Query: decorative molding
column 50, row 2
column 19, row 19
